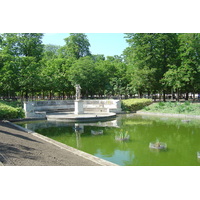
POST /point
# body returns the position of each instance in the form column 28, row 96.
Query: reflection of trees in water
column 181, row 138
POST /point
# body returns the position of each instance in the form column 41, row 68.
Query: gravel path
column 19, row 148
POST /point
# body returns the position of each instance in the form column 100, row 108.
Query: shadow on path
column 19, row 136
column 10, row 151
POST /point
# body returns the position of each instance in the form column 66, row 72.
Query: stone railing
column 38, row 109
column 102, row 106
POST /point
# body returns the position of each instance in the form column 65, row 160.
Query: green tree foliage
column 30, row 45
column 149, row 55
column 77, row 46
column 184, row 75
column 20, row 53
column 83, row 72
column 51, row 51
column 190, row 59
column 153, row 63
column 55, row 76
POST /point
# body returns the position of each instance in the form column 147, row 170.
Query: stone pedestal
column 78, row 107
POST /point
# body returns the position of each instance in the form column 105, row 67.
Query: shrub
column 9, row 112
column 135, row 104
column 177, row 107
column 169, row 104
column 161, row 104
column 187, row 103
column 190, row 109
column 147, row 108
column 180, row 109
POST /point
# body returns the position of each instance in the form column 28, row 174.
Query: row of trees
column 153, row 63
column 164, row 63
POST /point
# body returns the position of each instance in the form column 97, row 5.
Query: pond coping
column 71, row 117
column 169, row 115
column 85, row 155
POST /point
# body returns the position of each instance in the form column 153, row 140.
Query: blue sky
column 109, row 44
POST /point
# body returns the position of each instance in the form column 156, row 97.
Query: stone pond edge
column 169, row 115
column 85, row 155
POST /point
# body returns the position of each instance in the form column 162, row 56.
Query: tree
column 77, row 46
column 106, row 72
column 9, row 83
column 143, row 81
column 28, row 75
column 21, row 53
column 190, row 60
column 51, row 51
column 83, row 72
column 98, row 57
column 9, row 44
column 175, row 78
column 184, row 76
column 30, row 44
column 152, row 52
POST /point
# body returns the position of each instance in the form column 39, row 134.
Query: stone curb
column 169, row 115
column 85, row 155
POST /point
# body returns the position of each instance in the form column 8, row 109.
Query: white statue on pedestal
column 78, row 103
column 78, row 91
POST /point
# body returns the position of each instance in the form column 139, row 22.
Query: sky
column 108, row 44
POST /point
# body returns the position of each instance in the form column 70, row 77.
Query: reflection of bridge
column 46, row 124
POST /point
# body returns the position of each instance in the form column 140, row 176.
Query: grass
column 187, row 108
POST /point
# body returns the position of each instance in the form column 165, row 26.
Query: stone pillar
column 78, row 107
column 29, row 109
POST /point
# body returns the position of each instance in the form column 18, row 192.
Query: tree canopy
column 153, row 63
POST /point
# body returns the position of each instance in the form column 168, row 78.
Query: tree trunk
column 148, row 94
column 26, row 96
column 160, row 96
column 50, row 95
column 164, row 96
column 187, row 96
column 177, row 94
column 172, row 98
column 63, row 95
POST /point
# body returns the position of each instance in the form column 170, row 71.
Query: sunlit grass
column 174, row 108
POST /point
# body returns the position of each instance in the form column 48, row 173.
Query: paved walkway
column 20, row 147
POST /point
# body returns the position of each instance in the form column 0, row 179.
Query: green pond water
column 182, row 139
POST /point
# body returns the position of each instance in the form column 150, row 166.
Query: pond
column 181, row 136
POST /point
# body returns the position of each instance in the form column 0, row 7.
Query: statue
column 78, row 91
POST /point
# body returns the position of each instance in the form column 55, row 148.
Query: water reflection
column 183, row 139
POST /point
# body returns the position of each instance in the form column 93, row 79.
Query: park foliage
column 154, row 63
column 10, row 110
column 186, row 107
column 135, row 104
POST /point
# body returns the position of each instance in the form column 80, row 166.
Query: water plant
column 157, row 145
column 99, row 132
column 122, row 135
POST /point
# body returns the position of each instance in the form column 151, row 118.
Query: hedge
column 9, row 112
column 135, row 104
